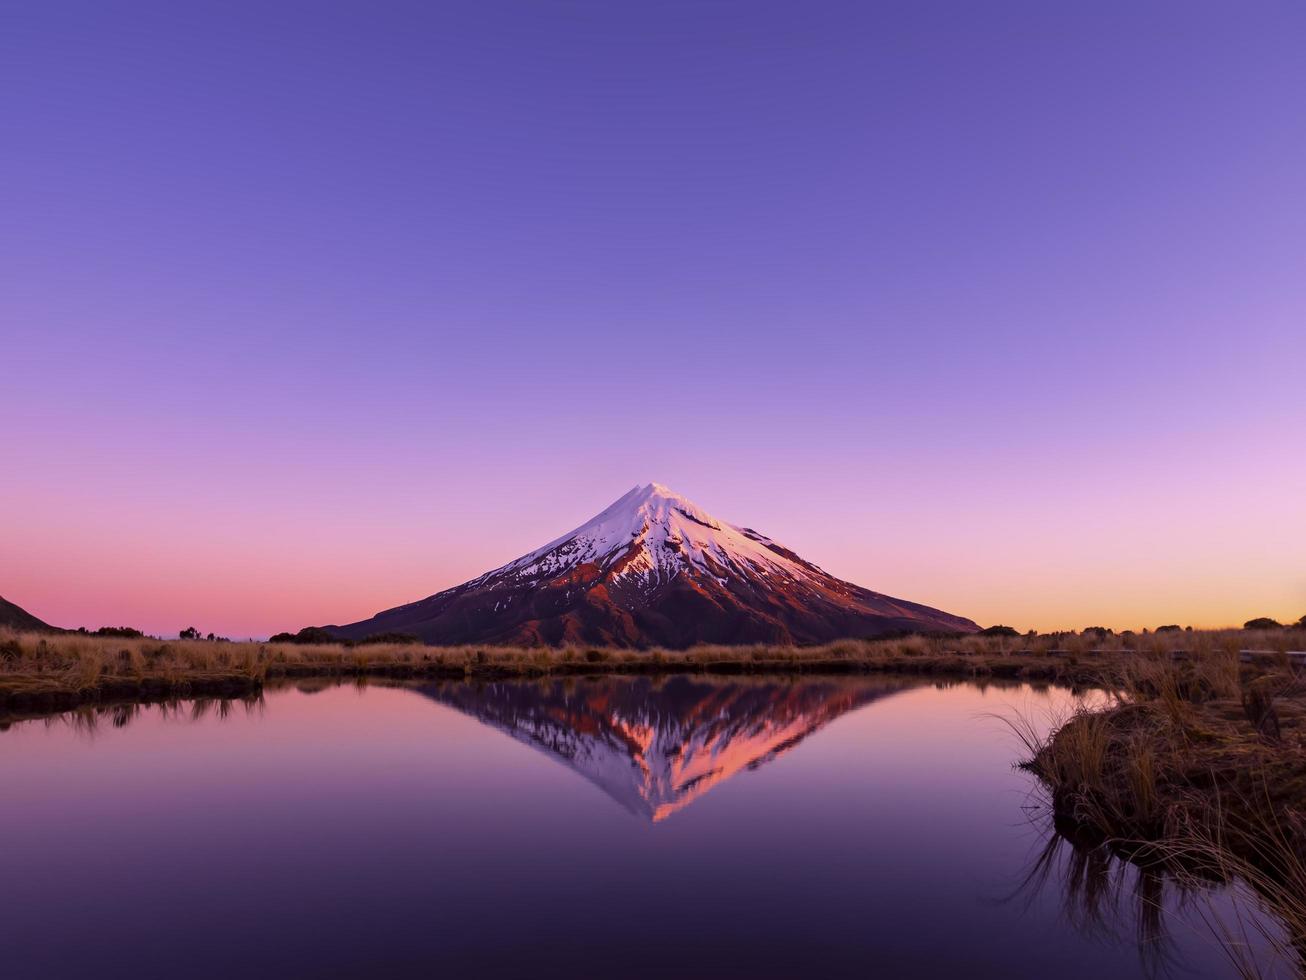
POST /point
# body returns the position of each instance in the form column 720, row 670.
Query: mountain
column 18, row 618
column 654, row 569
column 657, row 745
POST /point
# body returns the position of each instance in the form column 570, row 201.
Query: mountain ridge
column 17, row 618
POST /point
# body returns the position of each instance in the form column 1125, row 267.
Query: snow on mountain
column 651, row 534
column 657, row 746
column 656, row 569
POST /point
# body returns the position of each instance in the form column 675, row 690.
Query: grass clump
column 1197, row 768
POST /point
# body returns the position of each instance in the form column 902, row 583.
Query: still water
column 779, row 827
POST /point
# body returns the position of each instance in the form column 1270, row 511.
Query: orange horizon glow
column 1042, row 565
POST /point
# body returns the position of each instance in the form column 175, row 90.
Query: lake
column 679, row 826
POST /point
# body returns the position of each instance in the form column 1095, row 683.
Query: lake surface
column 682, row 826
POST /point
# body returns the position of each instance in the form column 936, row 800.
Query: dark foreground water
column 676, row 827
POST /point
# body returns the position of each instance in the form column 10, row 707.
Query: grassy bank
column 41, row 671
column 1197, row 770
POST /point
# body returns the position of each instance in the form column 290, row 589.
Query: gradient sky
column 309, row 309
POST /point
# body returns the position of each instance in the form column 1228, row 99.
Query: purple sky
column 311, row 309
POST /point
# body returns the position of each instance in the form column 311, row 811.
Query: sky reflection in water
column 777, row 827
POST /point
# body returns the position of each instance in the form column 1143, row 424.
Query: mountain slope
column 655, row 569
column 657, row 745
column 18, row 618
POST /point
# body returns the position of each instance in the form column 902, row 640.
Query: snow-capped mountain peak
column 651, row 534
column 654, row 568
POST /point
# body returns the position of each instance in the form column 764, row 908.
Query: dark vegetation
column 400, row 639
column 309, row 634
column 318, row 635
column 1262, row 623
column 191, row 633
column 124, row 632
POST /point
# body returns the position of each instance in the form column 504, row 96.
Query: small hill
column 18, row 618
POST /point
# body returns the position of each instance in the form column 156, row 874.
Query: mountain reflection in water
column 655, row 745
column 377, row 827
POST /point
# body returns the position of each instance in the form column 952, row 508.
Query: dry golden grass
column 1197, row 769
column 62, row 669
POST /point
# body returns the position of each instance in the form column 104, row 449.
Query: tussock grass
column 1197, row 769
column 64, row 669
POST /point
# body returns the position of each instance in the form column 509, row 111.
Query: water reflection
column 1100, row 894
column 1116, row 894
column 88, row 719
column 655, row 745
column 365, row 828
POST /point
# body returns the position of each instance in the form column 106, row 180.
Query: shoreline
column 42, row 693
column 55, row 672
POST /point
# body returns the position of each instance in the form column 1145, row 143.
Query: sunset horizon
column 1109, row 610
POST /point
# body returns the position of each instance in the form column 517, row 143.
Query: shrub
column 998, row 631
column 404, row 639
column 1170, row 628
column 309, row 634
column 1262, row 623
